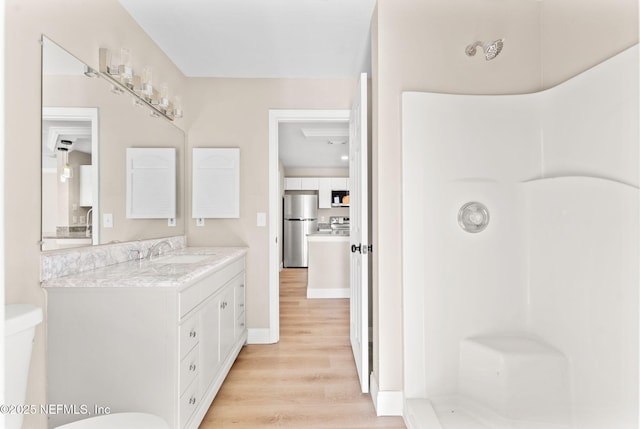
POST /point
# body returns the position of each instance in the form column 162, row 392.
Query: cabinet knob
column 192, row 367
column 242, row 285
column 192, row 334
column 192, row 400
column 241, row 305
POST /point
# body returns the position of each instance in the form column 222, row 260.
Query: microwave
column 339, row 198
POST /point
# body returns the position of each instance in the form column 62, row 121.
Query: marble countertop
column 155, row 273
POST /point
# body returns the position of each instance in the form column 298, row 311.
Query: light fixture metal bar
column 103, row 55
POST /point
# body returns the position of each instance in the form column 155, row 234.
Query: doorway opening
column 276, row 190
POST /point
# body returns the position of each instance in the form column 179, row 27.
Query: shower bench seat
column 516, row 376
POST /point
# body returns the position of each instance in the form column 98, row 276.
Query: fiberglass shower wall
column 558, row 262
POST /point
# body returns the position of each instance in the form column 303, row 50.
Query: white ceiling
column 260, row 38
column 266, row 39
column 323, row 147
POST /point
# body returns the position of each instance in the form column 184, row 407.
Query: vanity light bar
column 159, row 102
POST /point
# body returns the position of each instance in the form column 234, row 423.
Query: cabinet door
column 216, row 183
column 324, row 193
column 151, row 183
column 338, row 183
column 292, row 183
column 227, row 320
column 86, row 185
column 209, row 341
column 309, row 183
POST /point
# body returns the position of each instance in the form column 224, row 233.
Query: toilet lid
column 119, row 421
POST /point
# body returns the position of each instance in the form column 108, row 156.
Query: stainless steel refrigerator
column 300, row 219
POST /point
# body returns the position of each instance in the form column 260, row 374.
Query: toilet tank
column 19, row 329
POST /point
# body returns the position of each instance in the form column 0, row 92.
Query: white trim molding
column 275, row 224
column 388, row 402
column 259, row 336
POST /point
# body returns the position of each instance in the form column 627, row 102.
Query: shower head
column 491, row 49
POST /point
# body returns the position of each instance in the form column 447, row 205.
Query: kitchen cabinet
column 292, row 183
column 315, row 183
column 339, row 184
column 328, row 275
column 160, row 350
column 86, row 186
column 324, row 193
column 309, row 183
column 301, row 183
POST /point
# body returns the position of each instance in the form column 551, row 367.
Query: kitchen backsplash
column 325, row 214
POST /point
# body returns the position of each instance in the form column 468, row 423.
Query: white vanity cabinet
column 159, row 350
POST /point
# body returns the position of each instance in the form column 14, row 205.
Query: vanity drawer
column 189, row 335
column 189, row 401
column 191, row 297
column 189, row 367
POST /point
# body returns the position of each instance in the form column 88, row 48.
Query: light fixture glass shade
column 164, row 95
column 177, row 107
column 66, row 171
column 125, row 69
column 147, row 82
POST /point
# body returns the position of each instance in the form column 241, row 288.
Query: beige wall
column 235, row 113
column 81, row 27
column 419, row 46
column 578, row 34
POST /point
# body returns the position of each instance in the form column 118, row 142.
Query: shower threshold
column 456, row 412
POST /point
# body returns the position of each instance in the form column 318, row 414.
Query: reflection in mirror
column 70, row 192
column 86, row 128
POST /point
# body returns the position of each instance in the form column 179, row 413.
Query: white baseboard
column 386, row 403
column 259, row 336
column 313, row 293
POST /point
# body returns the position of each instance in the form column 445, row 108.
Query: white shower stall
column 531, row 323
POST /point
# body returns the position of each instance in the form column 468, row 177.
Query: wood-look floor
column 307, row 380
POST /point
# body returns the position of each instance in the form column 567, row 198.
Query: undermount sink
column 179, row 259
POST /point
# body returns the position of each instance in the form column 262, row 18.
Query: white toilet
column 20, row 326
column 20, row 322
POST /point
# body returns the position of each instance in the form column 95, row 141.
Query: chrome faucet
column 89, row 223
column 157, row 248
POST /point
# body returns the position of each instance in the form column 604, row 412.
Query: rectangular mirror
column 86, row 128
